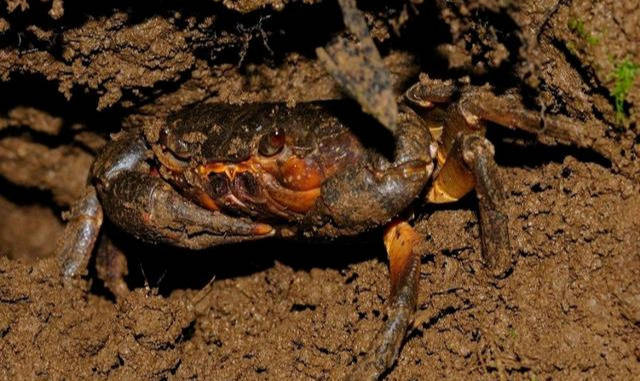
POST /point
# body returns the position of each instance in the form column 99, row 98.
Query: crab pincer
column 145, row 206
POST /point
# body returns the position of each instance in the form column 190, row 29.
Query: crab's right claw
column 357, row 67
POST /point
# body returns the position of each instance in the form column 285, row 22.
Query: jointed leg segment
column 507, row 111
column 74, row 248
column 111, row 265
column 470, row 165
column 404, row 265
column 477, row 153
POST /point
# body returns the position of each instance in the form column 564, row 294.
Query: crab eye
column 177, row 147
column 272, row 143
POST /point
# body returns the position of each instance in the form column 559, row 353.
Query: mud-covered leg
column 470, row 165
column 509, row 112
column 466, row 159
column 74, row 247
column 111, row 265
column 477, row 153
column 404, row 269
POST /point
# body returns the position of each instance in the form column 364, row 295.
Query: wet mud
column 73, row 72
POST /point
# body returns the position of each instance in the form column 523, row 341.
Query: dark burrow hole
column 79, row 110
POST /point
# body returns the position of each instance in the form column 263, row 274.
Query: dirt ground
column 73, row 72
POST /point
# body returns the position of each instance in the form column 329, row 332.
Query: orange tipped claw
column 262, row 229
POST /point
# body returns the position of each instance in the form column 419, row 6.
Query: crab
column 215, row 174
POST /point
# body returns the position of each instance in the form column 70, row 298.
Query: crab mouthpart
column 264, row 185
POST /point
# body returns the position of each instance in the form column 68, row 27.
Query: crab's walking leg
column 111, row 265
column 404, row 267
column 466, row 159
column 477, row 153
column 508, row 111
column 428, row 92
column 470, row 165
column 74, row 248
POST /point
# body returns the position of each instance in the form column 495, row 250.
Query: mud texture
column 73, row 72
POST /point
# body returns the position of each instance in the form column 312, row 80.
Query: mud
column 73, row 72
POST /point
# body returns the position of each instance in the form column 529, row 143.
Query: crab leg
column 507, row 111
column 111, row 265
column 74, row 247
column 470, row 165
column 404, row 267
column 477, row 153
column 428, row 92
column 466, row 158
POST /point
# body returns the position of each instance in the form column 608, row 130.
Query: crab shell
column 267, row 161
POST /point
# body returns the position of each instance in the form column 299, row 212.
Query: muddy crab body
column 256, row 171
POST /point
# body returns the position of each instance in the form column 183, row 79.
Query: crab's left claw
column 357, row 67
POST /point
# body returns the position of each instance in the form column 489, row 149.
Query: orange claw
column 262, row 229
